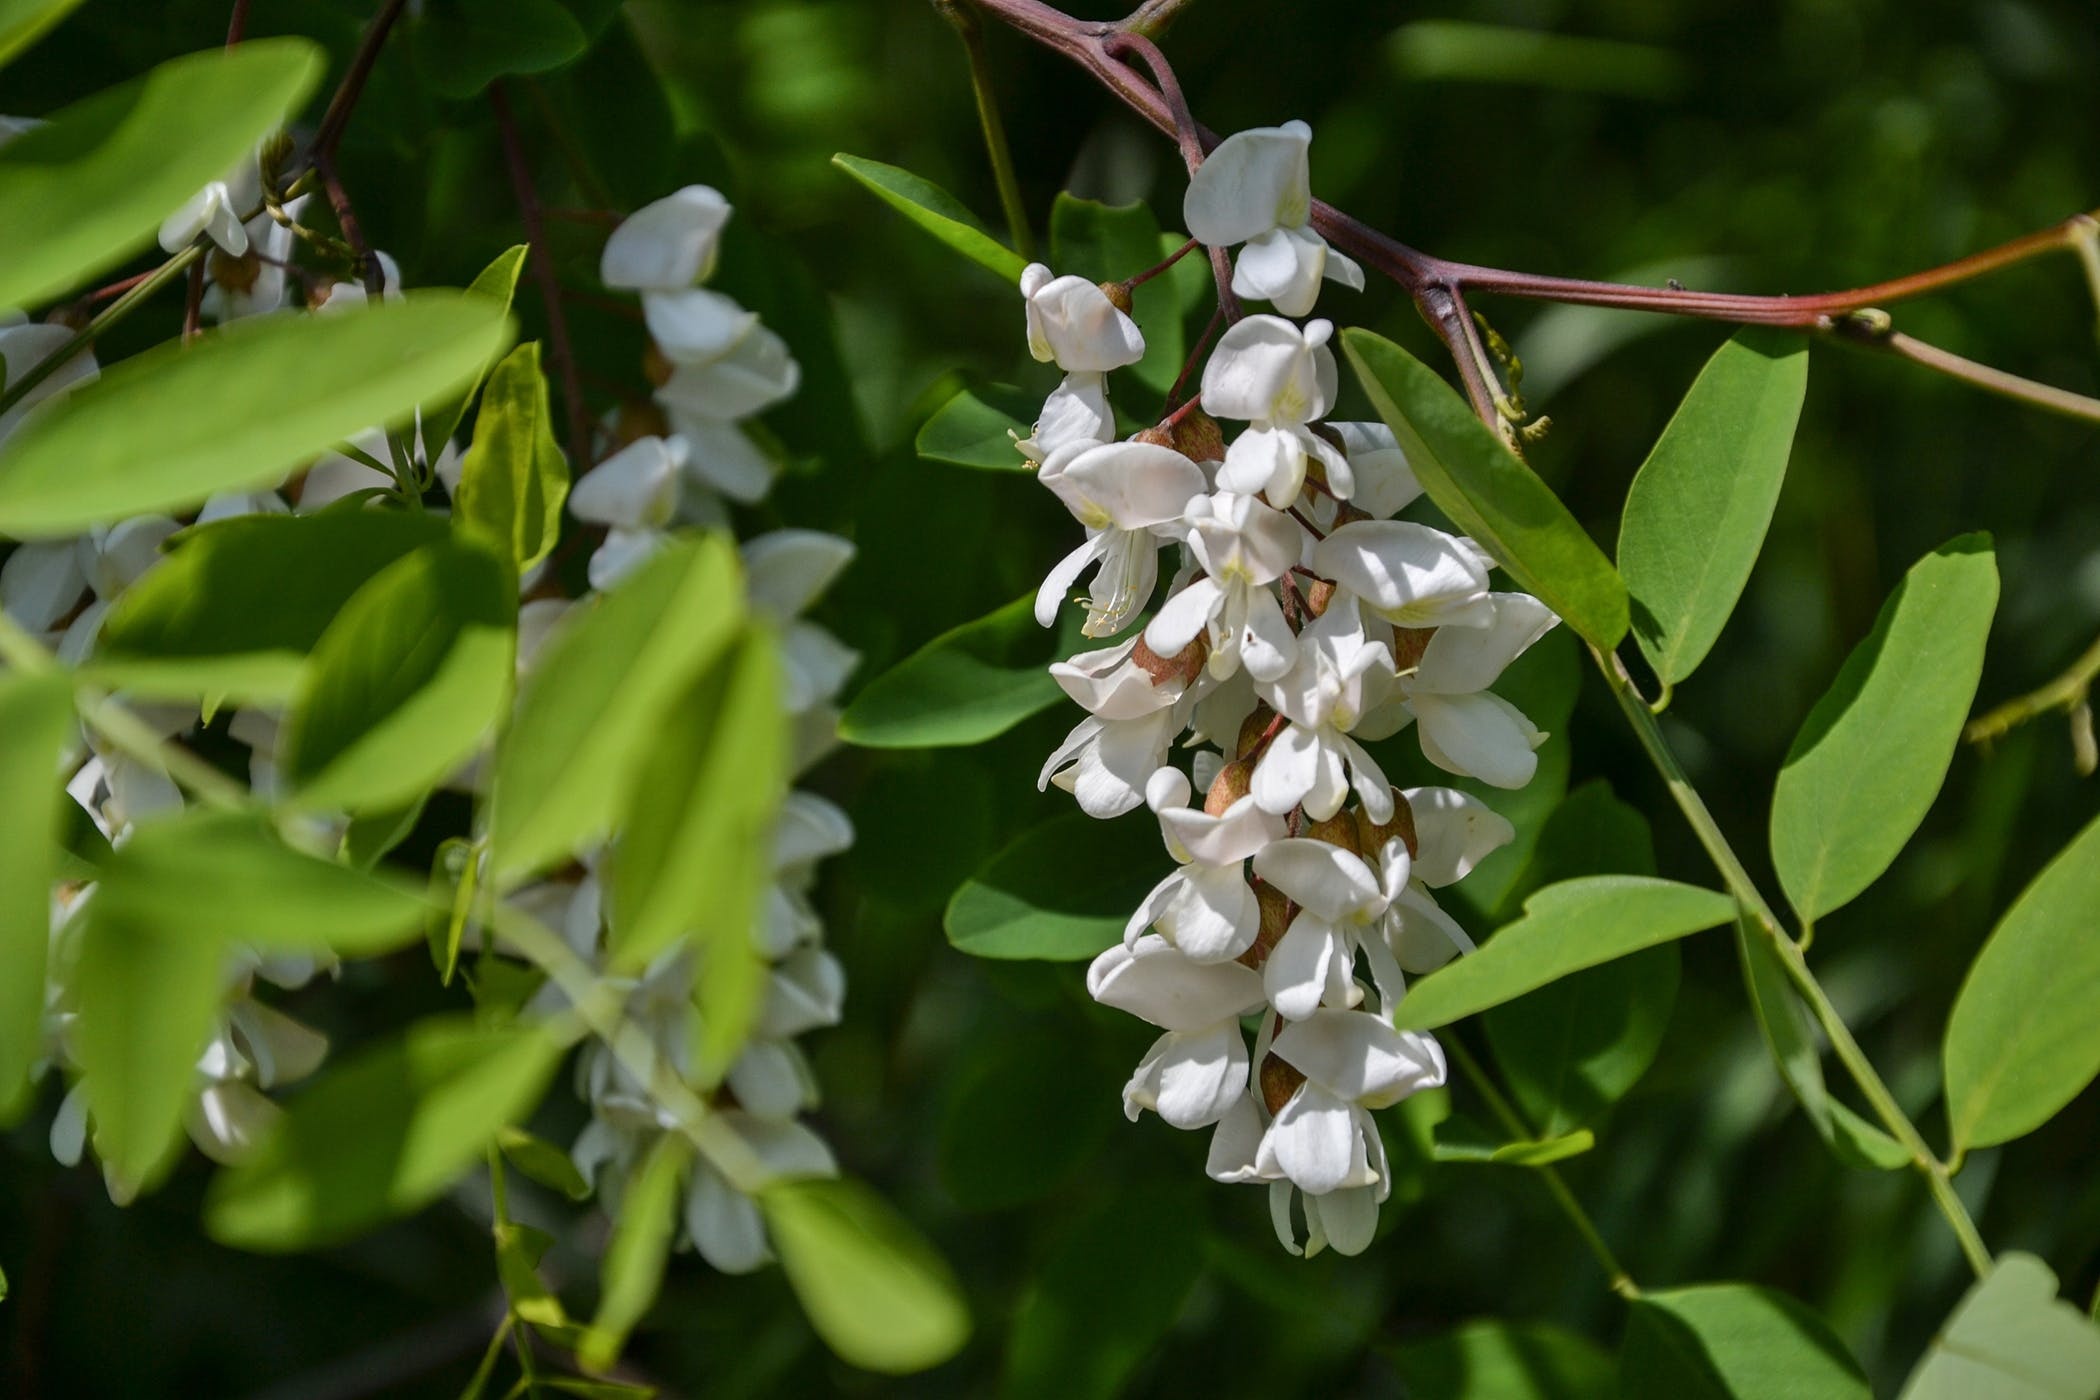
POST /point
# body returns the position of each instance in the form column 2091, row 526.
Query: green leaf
column 2011, row 1338
column 164, row 430
column 1697, row 511
column 1574, row 1047
column 1060, row 891
column 22, row 23
column 36, row 724
column 497, row 283
column 876, row 1292
column 1111, row 242
column 695, row 851
column 514, row 478
column 406, row 683
column 588, row 714
column 1488, row 492
column 2024, row 1039
column 1873, row 752
column 641, row 1244
column 1732, row 1341
column 961, row 688
column 1451, row 50
column 91, row 187
column 197, row 623
column 968, row 432
column 464, row 45
column 936, row 211
column 1495, row 1360
column 380, row 1134
column 1785, row 1024
column 542, row 1161
column 1566, row 927
column 1462, row 1140
column 211, row 876
column 1106, row 1296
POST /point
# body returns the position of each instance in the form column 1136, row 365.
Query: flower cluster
column 1303, row 622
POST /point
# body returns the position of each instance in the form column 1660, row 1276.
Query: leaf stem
column 84, row 338
column 1937, row 1175
column 964, row 21
column 1621, row 1282
column 2067, row 692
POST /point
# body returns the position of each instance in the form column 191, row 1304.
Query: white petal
column 1267, row 646
column 1157, row 983
column 1233, row 1146
column 1316, row 1143
column 1212, row 915
column 1072, row 321
column 1308, row 965
column 634, row 489
column 1057, row 584
column 769, row 1079
column 724, row 1224
column 667, row 245
column 1253, row 181
column 695, row 326
column 1348, row 1217
column 1357, row 1056
column 1454, row 831
column 722, row 456
column 40, row 583
column 1385, row 484
column 1421, row 935
column 1227, row 839
column 1191, row 1080
column 1283, row 268
column 1405, row 572
column 1182, row 616
column 1335, row 884
column 1460, row 660
column 1477, row 736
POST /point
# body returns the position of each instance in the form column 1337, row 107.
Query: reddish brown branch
column 330, row 132
column 559, row 351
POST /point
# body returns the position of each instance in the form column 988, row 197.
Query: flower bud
column 1118, row 294
column 1234, row 781
column 1199, row 438
column 1339, row 830
column 1154, row 436
column 1279, row 1080
column 1373, row 835
column 1276, row 912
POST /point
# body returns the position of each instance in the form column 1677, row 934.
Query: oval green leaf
column 92, row 186
column 1732, row 1341
column 464, row 45
column 1698, row 509
column 164, row 430
column 497, row 283
column 406, row 683
column 2024, row 1038
column 381, row 1134
column 1565, row 928
column 36, row 723
column 514, row 477
column 2011, row 1338
column 961, row 688
column 876, row 1292
column 1488, row 492
column 1873, row 752
column 968, row 432
column 1061, row 891
column 936, row 211
column 633, row 1270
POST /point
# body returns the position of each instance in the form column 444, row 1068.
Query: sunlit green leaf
column 1697, row 511
column 876, row 1292
column 1566, row 927
column 380, row 1134
column 1488, row 492
column 968, row 432
column 514, row 478
column 545, row 1163
column 1061, row 891
column 238, row 604
column 2024, row 1038
column 1461, row 1140
column 166, row 429
column 967, row 685
column 92, row 186
column 640, row 1245
column 1733, row 1341
column 936, row 211
column 36, row 722
column 406, row 683
column 1112, row 242
column 1873, row 752
column 2011, row 1338
column 497, row 283
column 588, row 714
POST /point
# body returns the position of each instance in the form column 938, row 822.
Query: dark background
column 1796, row 146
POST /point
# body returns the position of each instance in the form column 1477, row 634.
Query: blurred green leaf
column 2024, row 1038
column 633, row 1270
column 1495, row 1360
column 1113, row 242
column 1732, row 1341
column 968, row 432
column 1106, row 1295
column 1452, row 50
column 92, row 186
column 22, row 23
column 238, row 604
column 514, row 478
column 496, row 283
column 462, row 46
column 588, row 715
column 963, row 687
column 1566, row 927
column 875, row 1291
column 2011, row 1338
column 380, row 1134
column 1061, row 891
column 36, row 724
column 936, row 211
column 407, row 682
column 1698, row 509
column 1462, row 1140
column 166, row 429
column 1488, row 492
column 1024, row 1114
column 1871, row 756
column 542, row 1161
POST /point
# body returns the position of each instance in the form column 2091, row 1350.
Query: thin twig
column 963, row 20
column 330, row 132
column 193, row 302
column 1188, row 134
column 2069, row 692
column 237, row 23
column 2047, row 397
column 559, row 351
column 138, row 290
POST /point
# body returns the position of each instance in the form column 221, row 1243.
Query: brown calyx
column 638, row 419
column 1118, row 294
column 1276, row 914
column 235, row 274
column 1318, row 594
column 1234, row 781
column 1408, row 645
column 1199, row 438
column 1252, row 728
column 1279, row 1080
column 1338, row 830
column 1373, row 835
column 656, row 366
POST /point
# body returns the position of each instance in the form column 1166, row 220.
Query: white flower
column 1411, row 575
column 1243, row 547
column 634, row 493
column 696, row 326
column 1256, row 188
column 24, row 347
column 1077, row 411
column 1338, row 676
column 1194, row 1073
column 784, row 572
column 254, row 284
column 1454, row 831
column 217, row 210
column 1341, row 905
column 1277, row 378
column 1110, row 684
column 41, row 583
column 1106, row 763
column 351, row 292
column 1072, row 321
column 1463, row 728
column 667, row 245
column 750, row 376
column 1121, row 492
column 1205, row 908
column 720, row 455
column 1384, row 483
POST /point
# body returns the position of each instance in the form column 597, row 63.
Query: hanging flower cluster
column 1303, row 622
